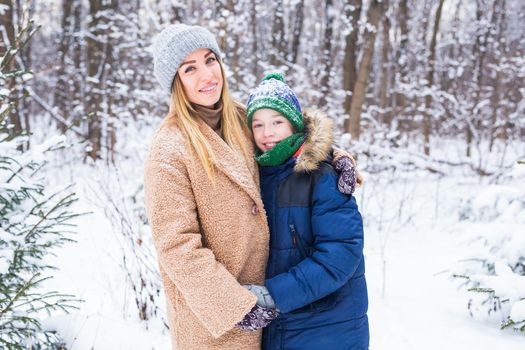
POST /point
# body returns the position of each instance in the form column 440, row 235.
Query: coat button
column 255, row 210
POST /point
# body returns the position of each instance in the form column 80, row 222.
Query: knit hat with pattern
column 173, row 44
column 273, row 93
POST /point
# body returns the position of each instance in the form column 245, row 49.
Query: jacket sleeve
column 337, row 250
column 212, row 293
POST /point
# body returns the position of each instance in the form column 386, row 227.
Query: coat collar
column 318, row 141
column 232, row 163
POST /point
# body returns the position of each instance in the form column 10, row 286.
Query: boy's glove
column 344, row 174
column 264, row 298
column 347, row 176
column 259, row 317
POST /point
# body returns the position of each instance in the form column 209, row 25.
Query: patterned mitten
column 258, row 318
column 347, row 175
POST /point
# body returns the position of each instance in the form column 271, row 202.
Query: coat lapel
column 232, row 163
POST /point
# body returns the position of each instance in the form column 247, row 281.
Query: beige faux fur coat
column 210, row 239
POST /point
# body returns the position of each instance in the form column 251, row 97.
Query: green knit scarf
column 281, row 151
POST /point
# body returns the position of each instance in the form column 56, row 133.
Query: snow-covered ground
column 92, row 270
column 422, row 307
column 414, row 238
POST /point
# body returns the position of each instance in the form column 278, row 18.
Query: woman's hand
column 259, row 317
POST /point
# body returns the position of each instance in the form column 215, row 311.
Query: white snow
column 6, row 251
column 422, row 307
column 98, row 331
column 518, row 311
column 420, row 229
column 3, row 9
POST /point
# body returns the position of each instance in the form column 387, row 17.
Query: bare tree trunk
column 353, row 13
column 326, row 54
column 383, row 84
column 221, row 27
column 478, row 52
column 430, row 79
column 231, row 36
column 96, row 59
column 278, row 39
column 495, row 107
column 108, row 84
column 297, row 31
column 254, row 57
column 374, row 14
column 402, row 55
column 7, row 32
column 454, row 48
column 475, row 50
column 403, row 24
column 24, row 105
column 234, row 54
column 417, row 63
column 78, row 73
column 63, row 93
column 500, row 47
column 7, row 29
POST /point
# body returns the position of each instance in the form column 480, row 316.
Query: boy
column 315, row 272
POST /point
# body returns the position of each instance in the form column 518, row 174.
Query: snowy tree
column 495, row 269
column 33, row 221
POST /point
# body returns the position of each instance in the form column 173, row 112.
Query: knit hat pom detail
column 274, row 75
column 273, row 93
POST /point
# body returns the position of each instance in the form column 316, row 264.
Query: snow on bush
column 495, row 269
column 33, row 221
column 119, row 193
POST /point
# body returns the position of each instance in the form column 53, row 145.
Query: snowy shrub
column 121, row 198
column 495, row 270
column 33, row 221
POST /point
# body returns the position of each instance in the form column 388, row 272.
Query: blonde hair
column 232, row 124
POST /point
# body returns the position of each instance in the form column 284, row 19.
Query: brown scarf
column 211, row 116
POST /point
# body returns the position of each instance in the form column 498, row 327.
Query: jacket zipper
column 295, row 240
column 294, row 235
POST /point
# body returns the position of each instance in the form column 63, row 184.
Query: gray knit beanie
column 173, row 44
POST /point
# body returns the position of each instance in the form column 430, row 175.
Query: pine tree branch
column 19, row 293
column 20, row 44
column 45, row 217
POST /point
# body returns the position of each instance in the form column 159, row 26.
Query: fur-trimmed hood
column 318, row 142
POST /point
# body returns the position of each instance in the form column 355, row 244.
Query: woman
column 203, row 201
column 202, row 197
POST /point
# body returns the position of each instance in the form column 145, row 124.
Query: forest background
column 421, row 91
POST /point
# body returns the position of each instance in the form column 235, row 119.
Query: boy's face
column 269, row 128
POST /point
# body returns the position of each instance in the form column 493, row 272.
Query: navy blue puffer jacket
column 315, row 271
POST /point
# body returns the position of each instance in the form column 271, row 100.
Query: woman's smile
column 210, row 88
column 201, row 77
